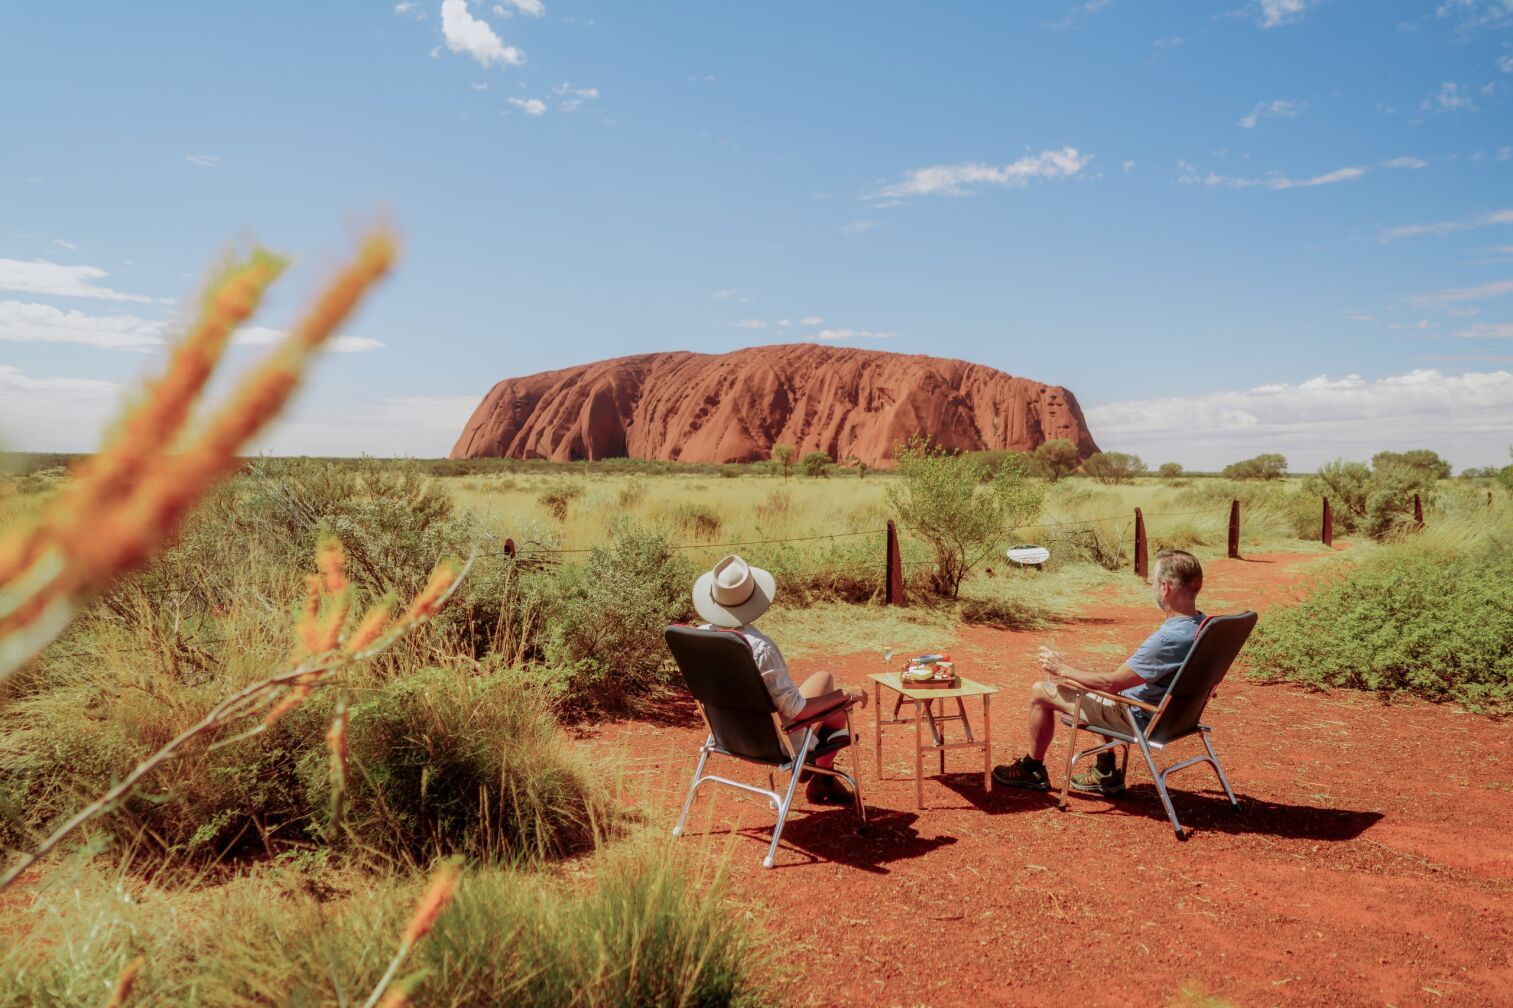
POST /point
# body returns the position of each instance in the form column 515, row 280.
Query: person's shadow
column 831, row 836
column 1198, row 811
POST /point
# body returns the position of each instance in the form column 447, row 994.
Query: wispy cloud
column 530, row 8
column 54, row 414
column 1496, row 288
column 1274, row 13
column 1450, row 97
column 1475, row 15
column 1488, row 330
column 750, row 323
column 960, row 180
column 58, row 280
column 409, row 8
column 27, row 322
column 1480, row 220
column 474, row 37
column 202, row 160
column 1465, row 416
column 858, row 226
column 1078, row 12
column 1190, row 175
column 261, row 336
column 811, row 320
column 722, row 295
column 851, row 334
column 1279, row 109
column 66, row 245
column 530, row 106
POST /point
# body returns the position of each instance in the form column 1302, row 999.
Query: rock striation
column 734, row 407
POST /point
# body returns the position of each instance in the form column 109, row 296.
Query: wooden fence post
column 509, row 548
column 1489, row 500
column 1326, row 531
column 1418, row 513
column 893, row 576
column 1234, row 530
column 1141, row 568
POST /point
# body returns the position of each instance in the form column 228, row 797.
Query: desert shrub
column 1004, row 614
column 783, row 455
column 1113, row 467
column 775, row 509
column 1056, row 458
column 1432, row 622
column 603, row 632
column 730, row 472
column 817, row 463
column 1377, row 501
column 1169, row 470
column 649, row 930
column 1422, row 459
column 559, row 498
column 698, row 520
column 944, row 500
column 447, row 761
column 630, row 494
column 1098, row 544
column 1270, row 466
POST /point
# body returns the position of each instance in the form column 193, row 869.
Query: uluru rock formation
column 734, row 407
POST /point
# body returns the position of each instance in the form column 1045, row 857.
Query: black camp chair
column 1219, row 641
column 721, row 674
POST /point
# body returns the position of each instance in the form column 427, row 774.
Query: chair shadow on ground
column 1199, row 811
column 830, row 836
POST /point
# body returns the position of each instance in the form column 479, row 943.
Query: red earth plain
column 1369, row 862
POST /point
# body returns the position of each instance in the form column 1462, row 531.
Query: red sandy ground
column 1368, row 864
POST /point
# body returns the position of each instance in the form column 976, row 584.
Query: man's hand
column 857, row 693
column 1051, row 662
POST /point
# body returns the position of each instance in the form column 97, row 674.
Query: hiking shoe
column 1095, row 781
column 826, row 790
column 1022, row 774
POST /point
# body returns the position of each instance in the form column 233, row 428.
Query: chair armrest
column 1116, row 698
column 845, row 705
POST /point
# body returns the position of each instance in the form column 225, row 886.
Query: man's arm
column 828, row 701
column 1121, row 678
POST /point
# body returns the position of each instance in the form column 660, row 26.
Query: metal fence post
column 1326, row 531
column 1141, row 568
column 1234, row 530
column 893, row 576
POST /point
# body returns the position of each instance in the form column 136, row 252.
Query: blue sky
column 1227, row 228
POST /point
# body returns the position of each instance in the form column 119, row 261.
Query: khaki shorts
column 1096, row 711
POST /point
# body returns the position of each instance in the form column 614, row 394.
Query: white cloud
column 530, row 106
column 750, row 323
column 721, row 295
column 858, row 226
column 62, row 244
column 576, row 92
column 811, row 320
column 1496, row 288
column 1275, row 180
column 530, row 8
column 415, row 426
column 1463, row 312
column 785, row 323
column 39, row 277
column 54, row 414
column 1447, row 227
column 951, row 180
column 847, row 334
column 1449, row 98
column 1127, row 167
column 1505, row 63
column 1412, row 163
column 1472, row 15
column 1361, row 317
column 1278, row 109
column 1465, row 417
column 23, row 322
column 261, row 336
column 202, row 160
column 409, row 8
column 1279, row 12
column 467, row 34
column 1488, row 330
column 481, row 86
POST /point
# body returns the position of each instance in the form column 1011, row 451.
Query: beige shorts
column 1096, row 711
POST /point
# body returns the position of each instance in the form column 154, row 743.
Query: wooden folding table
column 923, row 702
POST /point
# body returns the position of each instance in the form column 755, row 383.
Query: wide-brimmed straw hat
column 733, row 593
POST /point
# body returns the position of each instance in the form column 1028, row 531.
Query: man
column 1146, row 676
column 731, row 597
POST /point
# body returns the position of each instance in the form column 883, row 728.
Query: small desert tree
column 1056, row 458
column 1169, row 470
column 1113, row 467
column 817, row 463
column 1270, row 466
column 1422, row 459
column 943, row 497
column 783, row 455
column 1375, row 500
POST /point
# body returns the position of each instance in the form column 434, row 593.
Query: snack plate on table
column 931, row 671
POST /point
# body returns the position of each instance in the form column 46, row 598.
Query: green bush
column 1169, row 470
column 1270, row 466
column 1432, row 622
column 697, row 520
column 1376, row 500
column 1056, row 458
column 1113, row 467
column 818, row 463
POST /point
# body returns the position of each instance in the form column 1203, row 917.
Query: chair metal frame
column 1142, row 736
column 794, row 766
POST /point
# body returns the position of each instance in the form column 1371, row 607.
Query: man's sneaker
column 1095, row 781
column 823, row 789
column 1022, row 774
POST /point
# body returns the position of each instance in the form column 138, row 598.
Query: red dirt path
column 1369, row 862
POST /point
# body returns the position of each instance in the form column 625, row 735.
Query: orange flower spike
column 125, row 983
column 336, row 742
column 296, row 696
column 429, row 599
column 329, row 634
column 374, row 259
column 309, row 623
column 437, row 895
column 371, row 626
column 329, row 560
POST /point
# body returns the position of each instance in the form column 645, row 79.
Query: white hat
column 733, row 593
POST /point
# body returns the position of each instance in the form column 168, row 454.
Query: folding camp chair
column 1218, row 642
column 720, row 672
